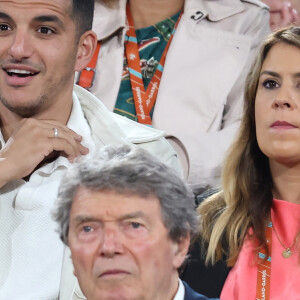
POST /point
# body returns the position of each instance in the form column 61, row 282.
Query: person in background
column 128, row 220
column 178, row 66
column 283, row 13
column 255, row 219
column 45, row 123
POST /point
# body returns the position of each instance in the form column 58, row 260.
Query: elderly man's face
column 121, row 248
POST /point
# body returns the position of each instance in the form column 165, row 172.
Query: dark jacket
column 191, row 294
column 207, row 280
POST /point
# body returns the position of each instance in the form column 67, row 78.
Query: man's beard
column 25, row 111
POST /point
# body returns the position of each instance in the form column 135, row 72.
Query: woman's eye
column 270, row 84
column 45, row 30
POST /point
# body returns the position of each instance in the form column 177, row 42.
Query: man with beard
column 46, row 123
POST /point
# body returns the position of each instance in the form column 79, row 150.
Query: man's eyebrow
column 133, row 215
column 84, row 219
column 5, row 16
column 296, row 75
column 49, row 18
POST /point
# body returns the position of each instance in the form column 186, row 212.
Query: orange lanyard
column 87, row 75
column 264, row 269
column 143, row 100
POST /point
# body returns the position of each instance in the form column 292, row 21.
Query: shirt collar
column 108, row 20
column 180, row 292
column 78, row 123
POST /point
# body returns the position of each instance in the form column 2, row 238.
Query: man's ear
column 181, row 249
column 86, row 48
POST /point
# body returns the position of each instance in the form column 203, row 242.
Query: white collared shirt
column 180, row 292
column 31, row 252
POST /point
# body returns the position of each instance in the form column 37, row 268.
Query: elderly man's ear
column 180, row 249
column 86, row 48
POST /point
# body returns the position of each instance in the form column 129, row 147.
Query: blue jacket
column 190, row 294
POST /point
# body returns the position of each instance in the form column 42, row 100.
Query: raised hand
column 282, row 13
column 32, row 142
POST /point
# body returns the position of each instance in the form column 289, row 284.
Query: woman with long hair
column 255, row 220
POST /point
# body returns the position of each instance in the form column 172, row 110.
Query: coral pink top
column 285, row 272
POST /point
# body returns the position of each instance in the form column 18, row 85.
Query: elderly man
column 128, row 220
column 44, row 124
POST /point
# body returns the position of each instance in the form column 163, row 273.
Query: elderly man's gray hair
column 130, row 170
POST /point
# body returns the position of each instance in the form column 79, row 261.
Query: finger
column 55, row 130
column 63, row 133
column 287, row 16
column 64, row 146
column 55, row 124
column 275, row 5
column 70, row 152
column 296, row 16
column 275, row 21
column 83, row 150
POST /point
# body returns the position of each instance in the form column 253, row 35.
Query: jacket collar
column 110, row 128
column 109, row 20
column 214, row 10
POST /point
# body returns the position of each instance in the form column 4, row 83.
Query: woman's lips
column 283, row 125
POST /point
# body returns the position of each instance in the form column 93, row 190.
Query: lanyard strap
column 264, row 268
column 87, row 75
column 143, row 100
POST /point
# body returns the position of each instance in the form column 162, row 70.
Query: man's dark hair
column 83, row 13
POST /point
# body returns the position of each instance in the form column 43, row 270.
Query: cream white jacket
column 110, row 128
column 200, row 97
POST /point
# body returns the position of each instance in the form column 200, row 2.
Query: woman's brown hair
column 246, row 197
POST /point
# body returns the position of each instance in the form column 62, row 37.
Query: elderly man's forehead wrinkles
column 62, row 7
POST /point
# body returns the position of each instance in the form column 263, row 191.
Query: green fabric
column 152, row 42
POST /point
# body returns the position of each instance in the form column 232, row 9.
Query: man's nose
column 21, row 47
column 111, row 243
